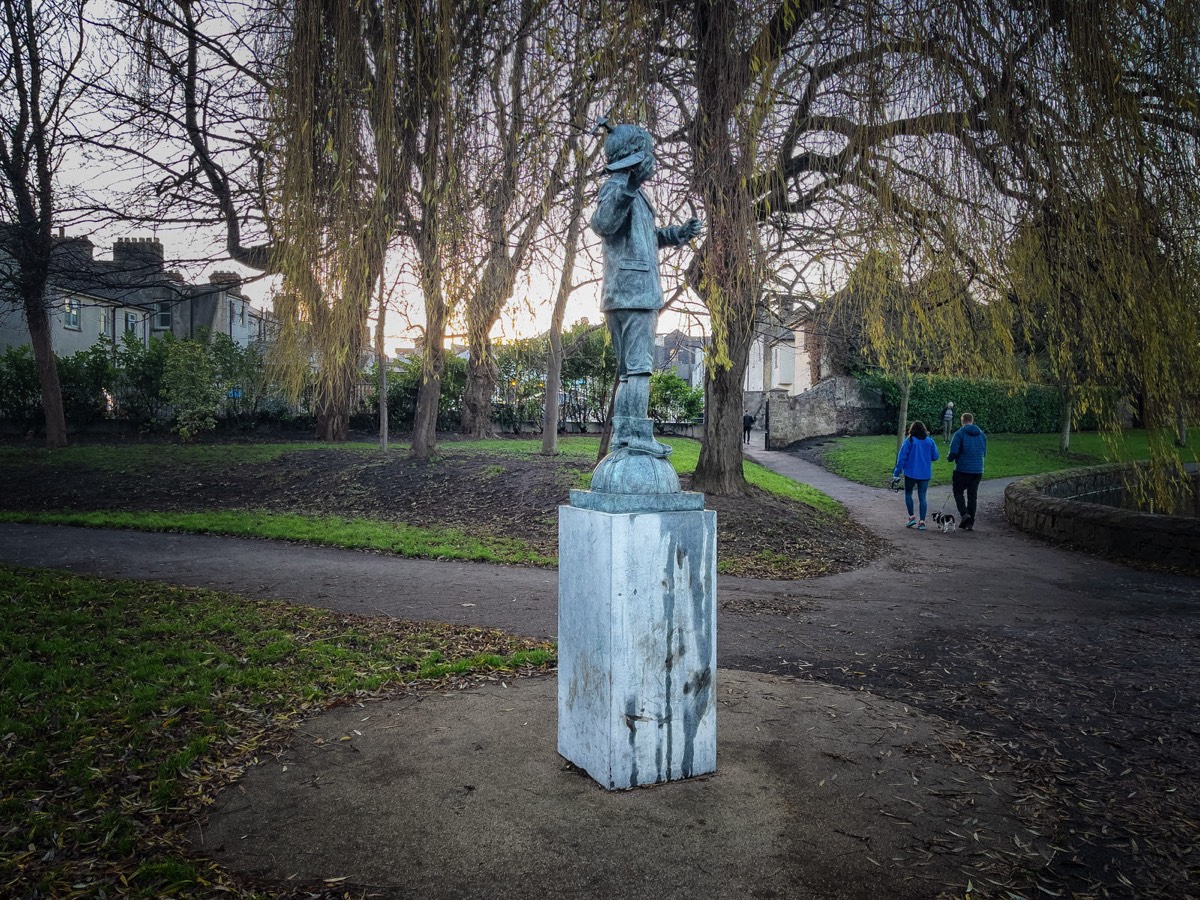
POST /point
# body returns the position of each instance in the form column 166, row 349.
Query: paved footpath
column 868, row 721
column 989, row 576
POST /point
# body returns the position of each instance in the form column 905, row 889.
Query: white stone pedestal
column 637, row 650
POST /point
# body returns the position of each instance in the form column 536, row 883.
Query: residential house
column 681, row 353
column 790, row 354
column 131, row 293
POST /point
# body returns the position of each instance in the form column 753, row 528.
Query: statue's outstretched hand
column 691, row 229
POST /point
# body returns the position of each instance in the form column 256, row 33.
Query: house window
column 107, row 314
column 131, row 322
column 71, row 317
column 237, row 314
column 162, row 317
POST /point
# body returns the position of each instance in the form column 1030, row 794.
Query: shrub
column 241, row 374
column 20, row 387
column 87, row 379
column 1001, row 407
column 404, row 380
column 191, row 386
column 674, row 400
column 141, row 392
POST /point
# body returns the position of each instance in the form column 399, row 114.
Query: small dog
column 945, row 521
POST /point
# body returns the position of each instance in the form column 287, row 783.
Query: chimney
column 231, row 282
column 72, row 254
column 143, row 255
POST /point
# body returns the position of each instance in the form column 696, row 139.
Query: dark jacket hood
column 971, row 430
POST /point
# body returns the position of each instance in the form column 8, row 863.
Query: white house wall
column 67, row 341
column 802, row 365
column 783, row 366
column 754, row 367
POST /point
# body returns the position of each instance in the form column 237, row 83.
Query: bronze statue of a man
column 632, row 294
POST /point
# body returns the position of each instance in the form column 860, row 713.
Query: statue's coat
column 625, row 219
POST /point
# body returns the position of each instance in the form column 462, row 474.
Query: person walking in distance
column 915, row 459
column 967, row 452
column 947, row 421
column 747, row 423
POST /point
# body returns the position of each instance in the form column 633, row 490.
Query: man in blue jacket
column 967, row 452
column 632, row 294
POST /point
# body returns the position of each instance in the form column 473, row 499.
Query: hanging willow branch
column 332, row 207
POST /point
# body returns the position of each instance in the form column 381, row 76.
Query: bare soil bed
column 477, row 492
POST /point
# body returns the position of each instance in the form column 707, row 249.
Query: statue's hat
column 626, row 145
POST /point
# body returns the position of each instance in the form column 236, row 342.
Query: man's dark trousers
column 968, row 482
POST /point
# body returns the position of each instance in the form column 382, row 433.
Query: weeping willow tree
column 795, row 120
column 444, row 56
column 1114, row 293
column 909, row 313
column 336, row 174
column 368, row 108
column 1105, row 266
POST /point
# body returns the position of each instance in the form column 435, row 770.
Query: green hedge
column 998, row 406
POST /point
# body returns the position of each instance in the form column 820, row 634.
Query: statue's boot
column 638, row 435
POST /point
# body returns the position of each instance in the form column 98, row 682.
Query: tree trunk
column 337, row 376
column 383, row 407
column 719, row 470
column 333, row 426
column 437, row 315
column 606, row 430
column 554, row 359
column 381, row 363
column 727, row 272
column 429, row 395
column 478, row 393
column 1181, row 430
column 1064, row 424
column 38, row 321
column 905, row 382
column 334, row 404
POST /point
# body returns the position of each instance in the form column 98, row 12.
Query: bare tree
column 534, row 116
column 566, row 285
column 189, row 115
column 39, row 90
column 442, row 53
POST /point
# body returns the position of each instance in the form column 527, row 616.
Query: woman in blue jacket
column 915, row 460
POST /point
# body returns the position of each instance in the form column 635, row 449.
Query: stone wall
column 755, row 403
column 835, row 406
column 1046, row 505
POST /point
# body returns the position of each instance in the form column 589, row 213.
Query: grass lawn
column 132, row 457
column 356, row 533
column 869, row 460
column 332, row 531
column 136, row 457
column 686, row 453
column 124, row 706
